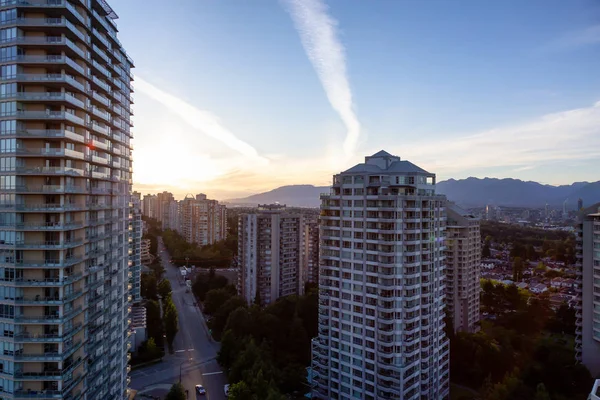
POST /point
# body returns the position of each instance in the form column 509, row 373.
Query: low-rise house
column 522, row 285
column 538, row 288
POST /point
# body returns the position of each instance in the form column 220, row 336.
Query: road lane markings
column 212, row 373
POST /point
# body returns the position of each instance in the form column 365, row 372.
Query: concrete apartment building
column 149, row 206
column 587, row 333
column 381, row 285
column 65, row 188
column 269, row 253
column 309, row 271
column 463, row 264
column 135, row 254
column 202, row 221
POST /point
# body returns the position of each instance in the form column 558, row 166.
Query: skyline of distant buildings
column 198, row 219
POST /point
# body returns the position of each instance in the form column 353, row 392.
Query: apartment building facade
column 202, row 221
column 381, row 285
column 309, row 271
column 587, row 308
column 135, row 253
column 149, row 206
column 463, row 264
column 269, row 253
column 65, row 187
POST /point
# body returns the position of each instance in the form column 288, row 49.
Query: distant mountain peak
column 478, row 192
column 469, row 192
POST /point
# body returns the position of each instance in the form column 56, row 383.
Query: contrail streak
column 202, row 120
column 319, row 38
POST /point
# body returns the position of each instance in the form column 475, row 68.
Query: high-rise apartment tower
column 135, row 254
column 202, row 221
column 587, row 308
column 269, row 253
column 381, row 285
column 309, row 269
column 463, row 263
column 65, row 187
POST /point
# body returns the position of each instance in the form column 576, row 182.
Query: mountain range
column 470, row 192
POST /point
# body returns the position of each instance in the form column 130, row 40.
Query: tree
column 517, row 269
column 563, row 320
column 215, row 299
column 151, row 348
column 485, row 250
column 257, row 299
column 154, row 322
column 171, row 321
column 148, row 286
column 164, row 288
column 220, row 317
column 541, row 393
column 177, row 392
column 239, row 391
column 530, row 252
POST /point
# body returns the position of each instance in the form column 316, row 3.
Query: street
column 195, row 352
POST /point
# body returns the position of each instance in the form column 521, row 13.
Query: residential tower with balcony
column 381, row 285
column 65, row 187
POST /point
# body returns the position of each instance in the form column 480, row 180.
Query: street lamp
column 181, row 365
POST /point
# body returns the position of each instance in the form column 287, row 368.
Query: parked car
column 226, row 389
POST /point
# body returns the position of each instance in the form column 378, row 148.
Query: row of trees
column 219, row 254
column 523, row 241
column 523, row 351
column 264, row 350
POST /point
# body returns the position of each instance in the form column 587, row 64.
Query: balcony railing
column 54, row 78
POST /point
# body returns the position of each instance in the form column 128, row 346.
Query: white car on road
column 200, row 389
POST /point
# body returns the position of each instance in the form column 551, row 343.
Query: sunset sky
column 238, row 97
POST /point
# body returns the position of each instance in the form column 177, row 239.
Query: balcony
column 101, row 84
column 44, row 97
column 101, row 38
column 102, row 70
column 49, row 133
column 58, row 189
column 48, row 264
column 50, row 207
column 98, row 128
column 50, row 59
column 53, row 300
column 45, row 22
column 47, row 282
column 45, row 116
column 50, row 356
column 101, row 99
column 48, row 152
column 45, row 245
column 48, row 319
column 26, row 337
column 43, row 226
column 48, row 170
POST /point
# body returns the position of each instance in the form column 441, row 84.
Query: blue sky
column 273, row 88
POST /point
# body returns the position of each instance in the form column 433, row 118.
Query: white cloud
column 202, row 120
column 319, row 38
column 558, row 137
